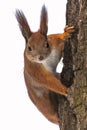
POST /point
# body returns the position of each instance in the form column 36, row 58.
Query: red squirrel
column 41, row 56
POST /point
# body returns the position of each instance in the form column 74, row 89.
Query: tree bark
column 72, row 111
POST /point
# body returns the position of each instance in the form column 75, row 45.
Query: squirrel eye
column 29, row 48
column 47, row 45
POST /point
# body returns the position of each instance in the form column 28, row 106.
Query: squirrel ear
column 44, row 21
column 23, row 24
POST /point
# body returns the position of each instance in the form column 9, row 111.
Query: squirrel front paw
column 68, row 31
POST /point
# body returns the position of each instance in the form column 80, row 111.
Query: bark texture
column 73, row 112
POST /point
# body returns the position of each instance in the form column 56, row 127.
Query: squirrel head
column 37, row 46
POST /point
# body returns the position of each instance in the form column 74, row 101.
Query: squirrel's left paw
column 70, row 29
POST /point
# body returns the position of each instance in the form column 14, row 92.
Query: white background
column 17, row 112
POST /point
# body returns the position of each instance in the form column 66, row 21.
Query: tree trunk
column 73, row 111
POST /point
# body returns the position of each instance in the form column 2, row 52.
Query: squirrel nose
column 41, row 58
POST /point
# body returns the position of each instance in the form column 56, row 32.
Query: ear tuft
column 44, row 21
column 23, row 24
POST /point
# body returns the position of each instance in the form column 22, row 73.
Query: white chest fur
column 51, row 62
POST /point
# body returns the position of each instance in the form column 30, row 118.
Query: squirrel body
column 41, row 56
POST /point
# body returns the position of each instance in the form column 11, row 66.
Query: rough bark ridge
column 73, row 112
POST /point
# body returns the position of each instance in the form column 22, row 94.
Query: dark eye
column 29, row 48
column 47, row 45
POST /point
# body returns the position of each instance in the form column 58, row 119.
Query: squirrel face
column 37, row 48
